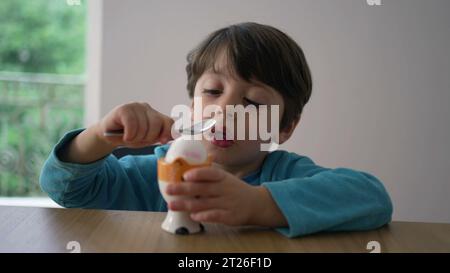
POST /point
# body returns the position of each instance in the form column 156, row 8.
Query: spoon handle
column 193, row 130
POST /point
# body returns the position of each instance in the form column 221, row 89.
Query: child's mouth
column 220, row 138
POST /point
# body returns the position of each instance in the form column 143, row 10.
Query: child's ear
column 286, row 132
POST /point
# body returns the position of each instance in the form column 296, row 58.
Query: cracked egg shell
column 193, row 151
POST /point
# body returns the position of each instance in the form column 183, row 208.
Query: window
column 42, row 65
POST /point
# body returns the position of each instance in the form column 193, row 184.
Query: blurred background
column 380, row 72
column 42, row 83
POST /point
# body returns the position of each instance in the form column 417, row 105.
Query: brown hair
column 260, row 52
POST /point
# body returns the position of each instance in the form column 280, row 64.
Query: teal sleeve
column 109, row 183
column 315, row 199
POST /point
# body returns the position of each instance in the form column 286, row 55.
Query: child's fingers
column 166, row 129
column 154, row 123
column 129, row 123
column 142, row 126
column 151, row 124
column 204, row 174
column 194, row 189
column 194, row 205
column 212, row 216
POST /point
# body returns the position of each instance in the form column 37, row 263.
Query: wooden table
column 25, row 229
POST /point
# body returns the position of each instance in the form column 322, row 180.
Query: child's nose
column 229, row 100
column 222, row 109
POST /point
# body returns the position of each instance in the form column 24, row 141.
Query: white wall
column 381, row 79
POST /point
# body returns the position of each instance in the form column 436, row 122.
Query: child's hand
column 142, row 125
column 220, row 197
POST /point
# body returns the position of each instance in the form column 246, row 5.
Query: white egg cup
column 177, row 222
column 181, row 157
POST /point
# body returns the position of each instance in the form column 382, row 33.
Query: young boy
column 243, row 64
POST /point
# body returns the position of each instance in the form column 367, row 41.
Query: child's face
column 223, row 89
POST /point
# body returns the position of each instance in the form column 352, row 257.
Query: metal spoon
column 195, row 129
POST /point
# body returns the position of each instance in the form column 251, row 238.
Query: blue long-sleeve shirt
column 312, row 198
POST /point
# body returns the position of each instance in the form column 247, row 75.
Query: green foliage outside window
column 42, row 64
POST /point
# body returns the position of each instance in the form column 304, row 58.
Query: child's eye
column 252, row 102
column 214, row 92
